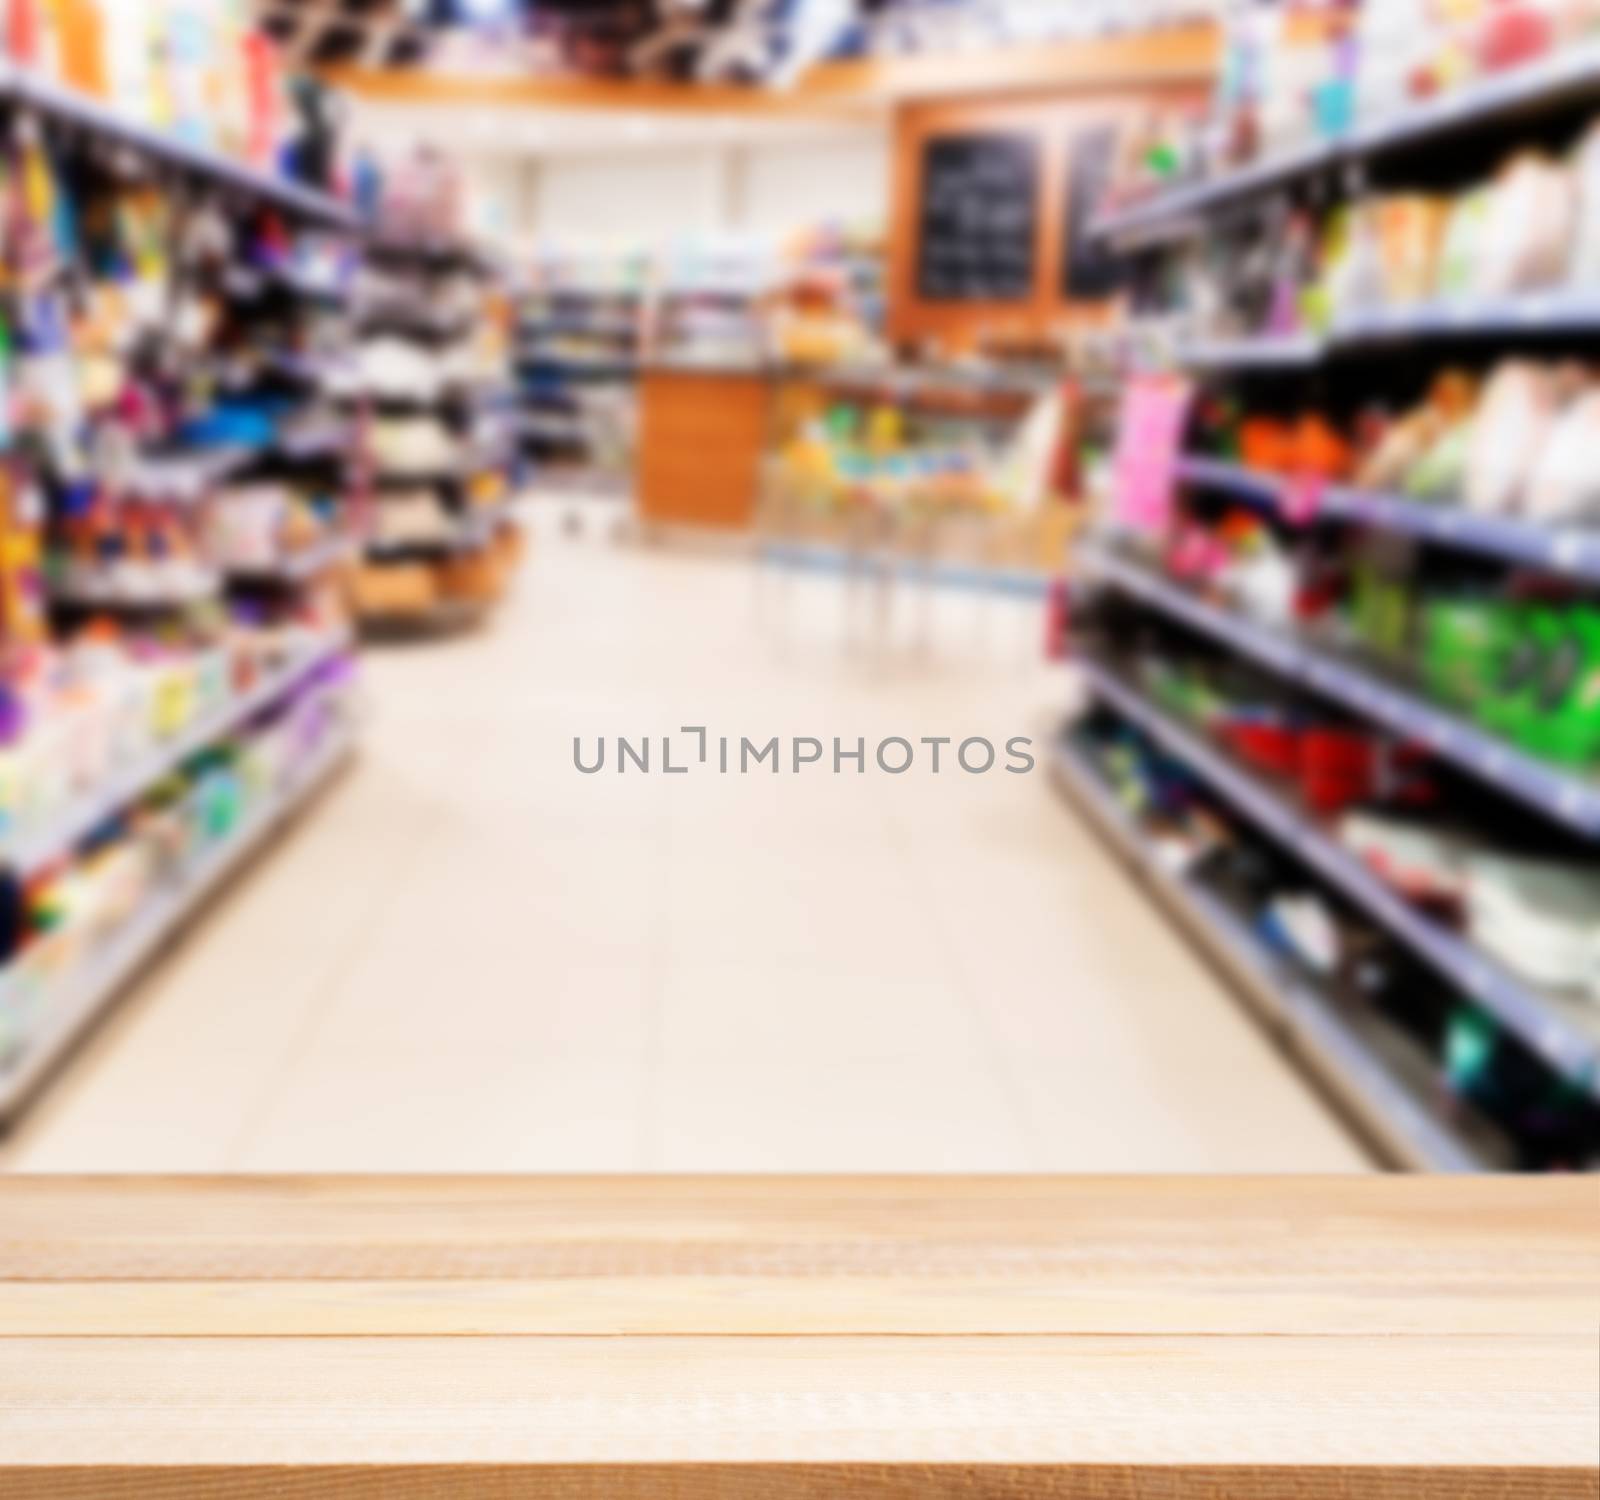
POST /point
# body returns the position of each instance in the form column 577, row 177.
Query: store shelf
column 67, row 106
column 1290, row 352
column 298, row 567
column 1568, row 77
column 258, row 283
column 1559, row 310
column 190, row 473
column 438, row 254
column 1560, row 795
column 1565, row 551
column 590, row 366
column 1557, row 313
column 73, row 1001
column 441, row 617
column 1179, row 210
column 1565, row 1032
column 32, row 851
column 132, row 596
column 314, row 445
column 473, row 530
column 1384, row 1086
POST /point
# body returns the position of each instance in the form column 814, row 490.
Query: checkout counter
column 706, row 431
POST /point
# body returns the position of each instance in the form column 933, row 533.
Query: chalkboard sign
column 978, row 215
column 1088, row 268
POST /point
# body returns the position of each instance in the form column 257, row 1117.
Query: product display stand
column 180, row 673
column 434, row 379
column 580, row 331
column 1129, row 761
column 1382, row 1086
column 1568, row 79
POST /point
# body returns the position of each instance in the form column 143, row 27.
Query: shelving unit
column 1560, row 795
column 407, row 579
column 1564, row 551
column 1296, row 352
column 73, row 1002
column 1562, row 81
column 1366, row 1071
column 24, row 88
column 1542, row 315
column 1566, row 1032
column 1398, row 1098
column 47, row 1000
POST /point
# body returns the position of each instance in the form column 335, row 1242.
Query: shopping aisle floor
column 469, row 957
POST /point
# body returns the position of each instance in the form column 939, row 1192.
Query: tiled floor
column 470, row 957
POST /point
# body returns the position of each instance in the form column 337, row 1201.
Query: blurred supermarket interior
column 800, row 585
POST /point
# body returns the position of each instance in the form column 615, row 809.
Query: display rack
column 1562, row 81
column 1563, row 551
column 1394, row 1100
column 408, row 582
column 23, row 87
column 73, row 1001
column 1564, row 797
column 1542, row 316
column 1366, row 1070
column 46, row 1003
column 1566, row 1032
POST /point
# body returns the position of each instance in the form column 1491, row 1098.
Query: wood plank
column 1459, row 1403
column 1189, row 1302
column 1420, row 1231
column 907, row 1481
column 806, row 1337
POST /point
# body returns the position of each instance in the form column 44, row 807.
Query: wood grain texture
column 800, row 1337
column 701, row 440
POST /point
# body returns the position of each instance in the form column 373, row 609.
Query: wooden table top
column 800, row 1337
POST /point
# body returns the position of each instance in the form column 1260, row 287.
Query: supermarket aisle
column 470, row 957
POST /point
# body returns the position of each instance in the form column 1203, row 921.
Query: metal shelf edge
column 103, row 977
column 1565, row 1042
column 1334, row 1050
column 1549, row 790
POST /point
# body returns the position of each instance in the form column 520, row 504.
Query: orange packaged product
column 1319, row 450
column 1410, row 233
column 1266, row 443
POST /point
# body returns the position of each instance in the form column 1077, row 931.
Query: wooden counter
column 702, row 436
column 689, row 1338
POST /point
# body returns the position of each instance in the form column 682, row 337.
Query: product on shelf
column 1358, row 608
column 1296, row 270
column 1490, row 1101
column 164, row 437
column 1299, row 76
column 127, row 877
column 1514, row 442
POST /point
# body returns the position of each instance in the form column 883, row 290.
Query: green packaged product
column 1509, row 698
column 1380, row 612
column 1560, row 719
column 1463, row 643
